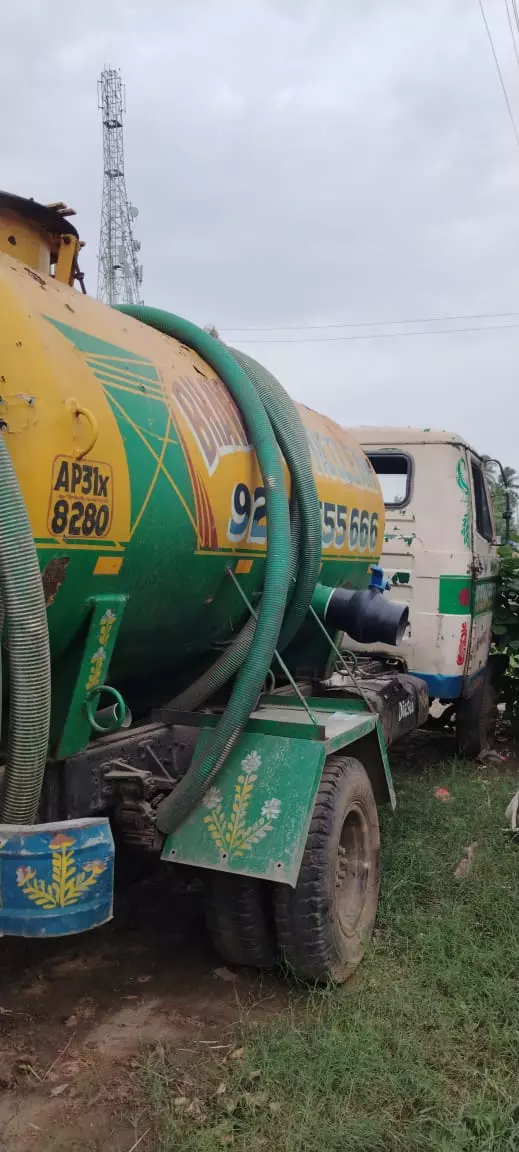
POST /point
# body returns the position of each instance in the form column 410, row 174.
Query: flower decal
column 212, row 799
column 462, row 482
column 95, row 867
column 106, row 624
column 251, row 763
column 271, row 809
column 23, row 874
column 61, row 841
column 97, row 664
column 68, row 883
column 230, row 830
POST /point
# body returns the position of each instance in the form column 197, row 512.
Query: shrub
column 506, row 633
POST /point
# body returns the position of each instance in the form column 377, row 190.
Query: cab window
column 394, row 474
column 484, row 525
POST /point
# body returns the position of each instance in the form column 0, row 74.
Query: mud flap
column 254, row 821
column 55, row 879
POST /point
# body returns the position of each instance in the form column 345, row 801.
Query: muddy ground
column 76, row 1017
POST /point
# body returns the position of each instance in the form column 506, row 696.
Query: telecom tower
column 119, row 275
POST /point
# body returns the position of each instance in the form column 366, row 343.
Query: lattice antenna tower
column 119, row 274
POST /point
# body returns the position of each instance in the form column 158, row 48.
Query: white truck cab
column 440, row 557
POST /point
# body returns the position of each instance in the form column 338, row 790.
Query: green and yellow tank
column 137, row 471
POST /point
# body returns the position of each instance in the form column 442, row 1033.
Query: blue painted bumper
column 442, row 687
column 55, row 879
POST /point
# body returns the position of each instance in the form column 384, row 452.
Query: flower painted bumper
column 55, row 879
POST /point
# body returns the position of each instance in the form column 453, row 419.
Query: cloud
column 298, row 163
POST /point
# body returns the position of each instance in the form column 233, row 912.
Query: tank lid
column 50, row 218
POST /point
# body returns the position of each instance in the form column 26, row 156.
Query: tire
column 239, row 920
column 476, row 718
column 325, row 923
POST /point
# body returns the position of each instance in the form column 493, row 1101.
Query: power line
column 370, row 323
column 380, row 335
column 500, row 74
column 516, row 13
column 514, row 42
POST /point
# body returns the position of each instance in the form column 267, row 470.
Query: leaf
column 256, row 1099
column 58, row 1089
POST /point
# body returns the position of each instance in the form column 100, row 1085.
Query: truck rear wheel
column 476, row 717
column 239, row 920
column 324, row 924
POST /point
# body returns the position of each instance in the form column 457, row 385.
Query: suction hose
column 237, row 651
column 293, row 441
column 23, row 603
column 250, row 679
column 305, row 537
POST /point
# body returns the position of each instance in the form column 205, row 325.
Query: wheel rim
column 352, row 869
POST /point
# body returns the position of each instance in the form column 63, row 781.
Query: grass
column 421, row 1051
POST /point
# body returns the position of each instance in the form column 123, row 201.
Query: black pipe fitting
column 366, row 616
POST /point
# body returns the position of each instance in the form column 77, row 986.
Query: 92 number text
column 354, row 529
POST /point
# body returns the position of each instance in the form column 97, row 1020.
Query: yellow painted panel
column 108, row 565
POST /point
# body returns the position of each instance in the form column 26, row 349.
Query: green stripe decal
column 461, row 596
column 455, row 595
column 484, row 595
column 93, row 346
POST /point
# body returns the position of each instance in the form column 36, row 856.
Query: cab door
column 484, row 571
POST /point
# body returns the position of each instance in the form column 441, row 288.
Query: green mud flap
column 254, row 821
column 55, row 879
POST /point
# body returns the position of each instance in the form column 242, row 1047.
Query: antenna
column 119, row 275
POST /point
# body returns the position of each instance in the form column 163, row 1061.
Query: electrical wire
column 516, row 14
column 379, row 335
column 500, row 74
column 420, row 320
column 370, row 323
column 510, row 25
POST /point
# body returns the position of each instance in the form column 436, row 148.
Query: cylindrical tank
column 139, row 479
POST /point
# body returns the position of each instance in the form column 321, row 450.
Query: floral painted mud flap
column 255, row 818
column 55, row 879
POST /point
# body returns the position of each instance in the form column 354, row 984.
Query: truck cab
column 440, row 557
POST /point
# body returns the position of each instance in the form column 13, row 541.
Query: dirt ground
column 76, row 1016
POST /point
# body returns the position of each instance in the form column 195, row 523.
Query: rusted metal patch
column 53, row 576
column 36, row 276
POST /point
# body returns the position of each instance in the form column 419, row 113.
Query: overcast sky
column 299, row 162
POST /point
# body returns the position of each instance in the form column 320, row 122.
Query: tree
column 501, row 482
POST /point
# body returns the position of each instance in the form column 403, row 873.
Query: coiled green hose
column 293, row 441
column 23, row 601
column 250, row 679
column 305, row 539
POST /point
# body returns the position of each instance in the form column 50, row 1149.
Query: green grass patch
column 421, row 1050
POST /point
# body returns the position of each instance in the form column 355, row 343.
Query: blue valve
column 378, row 579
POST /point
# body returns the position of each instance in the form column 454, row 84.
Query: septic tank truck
column 167, row 661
